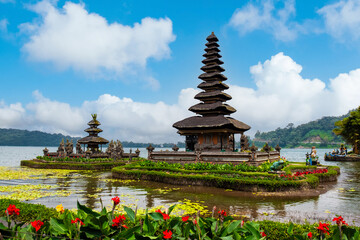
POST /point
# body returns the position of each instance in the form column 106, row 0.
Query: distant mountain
column 315, row 133
column 17, row 137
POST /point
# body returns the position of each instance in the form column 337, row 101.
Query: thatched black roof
column 211, row 123
column 209, row 108
column 213, row 95
column 93, row 140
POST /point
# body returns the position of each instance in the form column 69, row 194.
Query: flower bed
column 236, row 177
column 160, row 224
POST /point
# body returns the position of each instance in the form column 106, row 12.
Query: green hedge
column 244, row 184
column 28, row 212
column 71, row 166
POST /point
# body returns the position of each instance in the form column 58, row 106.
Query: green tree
column 349, row 129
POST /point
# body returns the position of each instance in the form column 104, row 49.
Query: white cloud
column 11, row 116
column 72, row 37
column 281, row 96
column 342, row 19
column 267, row 18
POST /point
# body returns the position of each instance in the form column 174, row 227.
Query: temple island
column 92, row 146
column 210, row 135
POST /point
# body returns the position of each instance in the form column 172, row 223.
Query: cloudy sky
column 136, row 63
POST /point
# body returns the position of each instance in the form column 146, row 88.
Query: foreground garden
column 29, row 221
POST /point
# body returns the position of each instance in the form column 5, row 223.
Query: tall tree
column 349, row 129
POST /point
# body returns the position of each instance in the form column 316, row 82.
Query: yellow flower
column 60, row 208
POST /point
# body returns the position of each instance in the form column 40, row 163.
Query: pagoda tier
column 93, row 140
column 212, row 124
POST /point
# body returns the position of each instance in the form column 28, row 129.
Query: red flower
column 167, row 234
column 340, row 220
column 309, row 235
column 158, row 210
column 194, row 221
column 165, row 216
column 263, row 234
column 77, row 220
column 37, row 224
column 116, row 200
column 12, row 210
column 223, row 213
column 184, row 219
column 118, row 220
column 323, row 227
column 124, row 226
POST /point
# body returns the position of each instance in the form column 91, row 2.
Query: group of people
column 342, row 151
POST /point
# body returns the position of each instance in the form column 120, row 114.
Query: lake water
column 343, row 198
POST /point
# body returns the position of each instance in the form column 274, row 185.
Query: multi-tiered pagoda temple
column 212, row 128
column 93, row 140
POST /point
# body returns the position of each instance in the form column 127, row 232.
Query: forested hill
column 316, row 133
column 17, row 137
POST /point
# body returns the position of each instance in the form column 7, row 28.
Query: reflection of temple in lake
column 210, row 135
column 92, row 146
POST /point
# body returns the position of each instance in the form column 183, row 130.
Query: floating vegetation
column 7, row 173
column 166, row 190
column 118, row 180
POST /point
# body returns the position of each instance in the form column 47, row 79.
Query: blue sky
column 136, row 63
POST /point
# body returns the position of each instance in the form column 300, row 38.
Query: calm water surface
column 343, row 198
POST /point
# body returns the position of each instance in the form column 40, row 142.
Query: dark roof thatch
column 93, row 139
column 212, row 76
column 217, row 107
column 214, row 95
column 213, row 85
column 211, row 122
column 93, row 130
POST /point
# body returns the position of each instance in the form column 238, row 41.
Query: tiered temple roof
column 93, row 140
column 213, row 109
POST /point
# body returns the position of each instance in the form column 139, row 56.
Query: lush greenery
column 72, row 165
column 349, row 129
column 29, row 212
column 303, row 135
column 238, row 177
column 17, row 137
column 83, row 159
column 109, row 224
column 243, row 167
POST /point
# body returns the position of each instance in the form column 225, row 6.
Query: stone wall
column 252, row 158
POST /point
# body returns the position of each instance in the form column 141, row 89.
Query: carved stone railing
column 253, row 158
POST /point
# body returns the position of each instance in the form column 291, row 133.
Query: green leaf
column 290, row 229
column 232, row 226
column 156, row 216
column 58, row 227
column 148, row 227
column 2, row 227
column 227, row 238
column 253, row 228
column 171, row 208
column 87, row 210
column 128, row 234
column 130, row 213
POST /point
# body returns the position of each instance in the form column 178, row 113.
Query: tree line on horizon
column 319, row 133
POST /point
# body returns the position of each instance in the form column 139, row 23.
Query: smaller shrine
column 92, row 146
